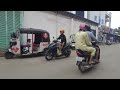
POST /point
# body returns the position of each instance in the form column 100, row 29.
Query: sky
column 115, row 21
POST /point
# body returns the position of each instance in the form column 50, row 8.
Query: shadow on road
column 60, row 58
column 29, row 56
column 90, row 70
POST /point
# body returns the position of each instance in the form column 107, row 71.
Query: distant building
column 96, row 16
column 101, row 17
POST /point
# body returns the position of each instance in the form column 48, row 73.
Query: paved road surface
column 65, row 68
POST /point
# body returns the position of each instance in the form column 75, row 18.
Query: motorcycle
column 53, row 48
column 108, row 42
column 83, row 59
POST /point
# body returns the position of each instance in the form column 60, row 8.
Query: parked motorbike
column 83, row 59
column 53, row 48
column 108, row 42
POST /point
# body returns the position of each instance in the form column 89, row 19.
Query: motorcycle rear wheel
column 81, row 68
column 67, row 53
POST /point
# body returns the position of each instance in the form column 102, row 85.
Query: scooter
column 108, row 42
column 83, row 59
column 53, row 48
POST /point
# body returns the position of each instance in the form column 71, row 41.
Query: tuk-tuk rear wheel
column 9, row 55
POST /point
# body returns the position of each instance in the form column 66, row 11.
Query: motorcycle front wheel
column 48, row 55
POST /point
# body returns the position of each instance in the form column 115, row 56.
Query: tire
column 99, row 53
column 45, row 50
column 9, row 55
column 48, row 53
column 67, row 52
column 81, row 68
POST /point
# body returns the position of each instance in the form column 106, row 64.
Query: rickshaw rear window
column 41, row 37
column 46, row 37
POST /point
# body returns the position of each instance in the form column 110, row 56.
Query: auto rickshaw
column 35, row 42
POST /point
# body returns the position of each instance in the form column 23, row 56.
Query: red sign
column 15, row 49
column 45, row 44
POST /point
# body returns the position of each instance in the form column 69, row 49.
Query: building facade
column 97, row 16
column 101, row 17
column 52, row 21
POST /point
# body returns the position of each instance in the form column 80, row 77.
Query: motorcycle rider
column 63, row 39
column 93, row 38
column 82, row 42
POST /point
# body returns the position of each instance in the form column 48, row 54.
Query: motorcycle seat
column 83, row 52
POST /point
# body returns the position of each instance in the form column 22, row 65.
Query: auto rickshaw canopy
column 40, row 35
column 32, row 31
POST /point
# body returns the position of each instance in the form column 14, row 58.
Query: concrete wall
column 52, row 23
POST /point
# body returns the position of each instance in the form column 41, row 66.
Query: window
column 102, row 21
column 95, row 18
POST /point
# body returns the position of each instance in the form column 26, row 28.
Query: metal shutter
column 2, row 31
column 17, row 19
column 9, row 22
column 10, row 28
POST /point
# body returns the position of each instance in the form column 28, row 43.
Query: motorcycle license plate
column 79, row 58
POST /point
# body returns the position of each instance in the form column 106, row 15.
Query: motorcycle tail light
column 78, row 53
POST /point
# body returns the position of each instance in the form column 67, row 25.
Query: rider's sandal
column 97, row 61
column 91, row 63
